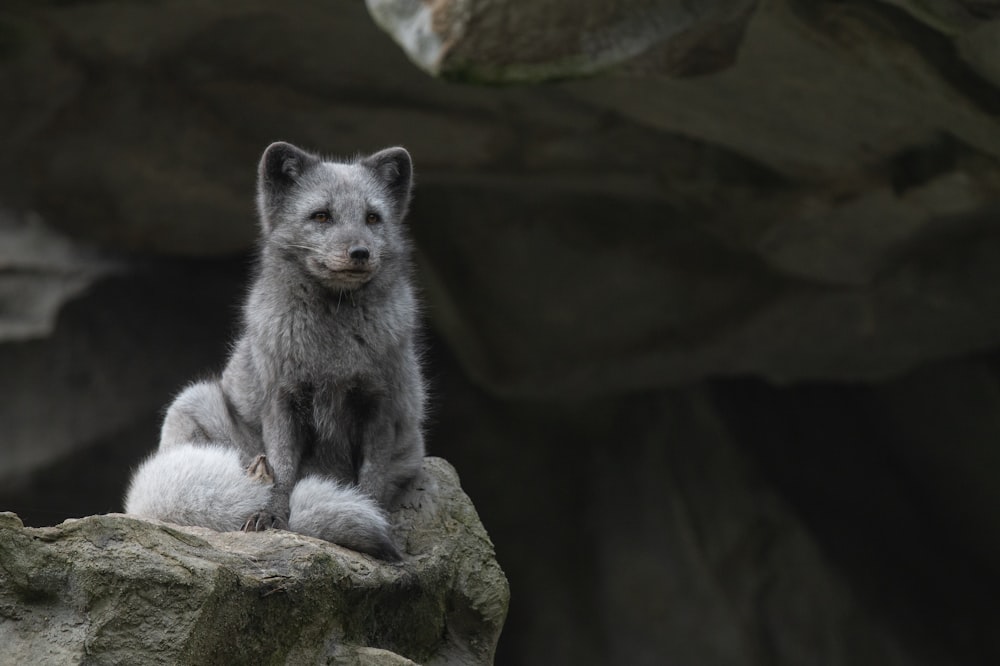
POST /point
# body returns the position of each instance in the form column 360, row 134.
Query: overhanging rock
column 113, row 589
column 507, row 42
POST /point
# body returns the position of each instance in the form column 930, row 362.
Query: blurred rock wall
column 712, row 329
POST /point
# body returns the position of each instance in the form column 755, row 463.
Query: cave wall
column 711, row 296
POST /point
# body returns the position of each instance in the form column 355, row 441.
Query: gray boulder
column 113, row 589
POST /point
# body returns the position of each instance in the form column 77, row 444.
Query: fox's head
column 339, row 221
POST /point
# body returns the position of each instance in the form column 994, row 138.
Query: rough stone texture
column 484, row 40
column 874, row 184
column 116, row 590
column 490, row 41
column 810, row 524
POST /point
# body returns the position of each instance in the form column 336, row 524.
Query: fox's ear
column 394, row 168
column 281, row 165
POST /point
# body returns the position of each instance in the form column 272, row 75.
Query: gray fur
column 324, row 379
column 326, row 509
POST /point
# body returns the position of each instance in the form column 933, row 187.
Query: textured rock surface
column 855, row 223
column 113, row 589
column 482, row 40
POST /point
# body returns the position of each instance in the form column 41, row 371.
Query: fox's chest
column 332, row 419
column 327, row 342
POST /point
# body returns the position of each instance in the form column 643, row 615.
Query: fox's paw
column 260, row 470
column 264, row 520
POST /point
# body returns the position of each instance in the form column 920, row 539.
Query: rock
column 479, row 40
column 797, row 213
column 858, row 290
column 116, row 355
column 719, row 550
column 739, row 523
column 796, row 196
column 796, row 113
column 803, row 193
column 115, row 589
column 980, row 48
column 40, row 271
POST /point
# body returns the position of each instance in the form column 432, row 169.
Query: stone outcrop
column 112, row 589
column 484, row 41
column 832, row 251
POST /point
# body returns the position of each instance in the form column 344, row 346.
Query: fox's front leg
column 393, row 452
column 283, row 448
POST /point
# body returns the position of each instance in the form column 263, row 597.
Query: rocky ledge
column 113, row 589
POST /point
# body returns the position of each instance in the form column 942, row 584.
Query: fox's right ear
column 280, row 167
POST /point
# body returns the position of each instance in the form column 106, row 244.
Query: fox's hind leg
column 200, row 414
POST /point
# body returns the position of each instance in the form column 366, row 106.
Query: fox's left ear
column 281, row 166
column 394, row 168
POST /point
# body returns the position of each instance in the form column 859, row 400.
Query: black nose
column 359, row 253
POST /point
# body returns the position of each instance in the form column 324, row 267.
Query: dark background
column 712, row 299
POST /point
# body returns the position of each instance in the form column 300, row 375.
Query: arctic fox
column 315, row 423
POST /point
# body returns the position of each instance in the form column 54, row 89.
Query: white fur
column 200, row 485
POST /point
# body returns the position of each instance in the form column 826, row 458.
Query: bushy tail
column 199, row 485
column 207, row 486
column 325, row 509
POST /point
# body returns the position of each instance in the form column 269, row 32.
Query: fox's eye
column 320, row 216
column 373, row 218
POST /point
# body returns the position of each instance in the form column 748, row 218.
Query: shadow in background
column 599, row 510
